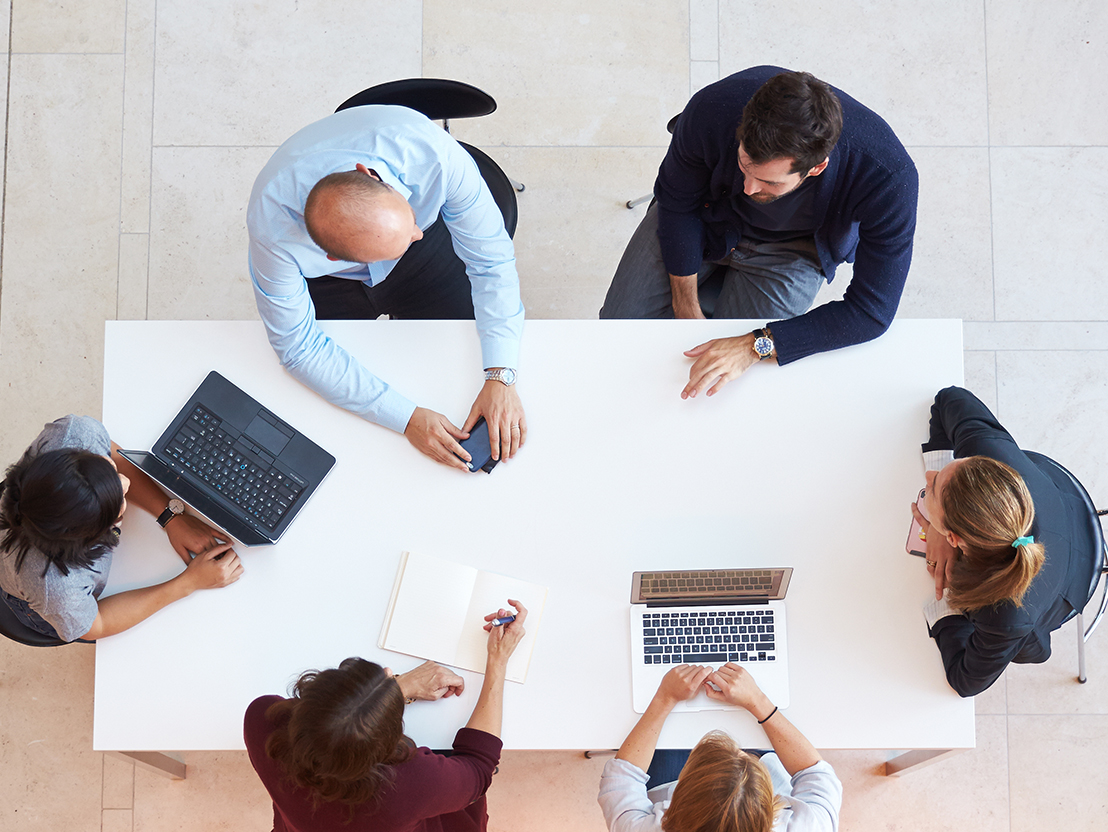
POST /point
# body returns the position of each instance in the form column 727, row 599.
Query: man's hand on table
column 500, row 405
column 720, row 360
column 430, row 681
column 433, row 434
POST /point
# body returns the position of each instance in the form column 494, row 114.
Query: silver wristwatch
column 505, row 375
column 763, row 343
column 174, row 508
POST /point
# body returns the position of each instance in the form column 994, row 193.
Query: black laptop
column 236, row 463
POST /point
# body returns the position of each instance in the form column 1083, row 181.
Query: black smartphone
column 478, row 447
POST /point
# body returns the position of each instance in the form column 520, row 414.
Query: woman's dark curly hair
column 63, row 503
column 341, row 732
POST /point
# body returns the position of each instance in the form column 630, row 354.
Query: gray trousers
column 760, row 280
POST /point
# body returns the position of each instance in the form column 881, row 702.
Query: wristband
column 771, row 713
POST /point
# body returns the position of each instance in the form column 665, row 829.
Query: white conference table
column 812, row 466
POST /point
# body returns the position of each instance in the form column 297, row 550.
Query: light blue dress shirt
column 436, row 175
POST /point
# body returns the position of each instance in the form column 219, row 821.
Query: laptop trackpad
column 266, row 435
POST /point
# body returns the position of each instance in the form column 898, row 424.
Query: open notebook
column 437, row 611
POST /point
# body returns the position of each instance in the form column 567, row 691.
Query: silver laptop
column 710, row 617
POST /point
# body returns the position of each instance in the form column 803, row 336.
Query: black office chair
column 441, row 100
column 11, row 627
column 1097, row 560
column 709, row 291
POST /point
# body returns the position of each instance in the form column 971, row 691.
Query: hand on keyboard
column 682, row 682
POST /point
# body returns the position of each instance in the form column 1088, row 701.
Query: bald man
column 377, row 210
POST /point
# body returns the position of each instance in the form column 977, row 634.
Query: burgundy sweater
column 429, row 792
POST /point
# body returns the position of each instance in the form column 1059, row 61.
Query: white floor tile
column 920, row 67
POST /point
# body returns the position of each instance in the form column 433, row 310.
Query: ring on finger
column 932, row 563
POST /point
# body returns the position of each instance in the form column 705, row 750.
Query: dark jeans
column 760, row 279
column 428, row 283
column 26, row 616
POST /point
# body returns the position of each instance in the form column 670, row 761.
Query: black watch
column 174, row 508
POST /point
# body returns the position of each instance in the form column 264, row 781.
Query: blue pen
column 508, row 619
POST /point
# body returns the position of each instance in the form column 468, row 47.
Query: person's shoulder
column 78, row 432
column 867, row 135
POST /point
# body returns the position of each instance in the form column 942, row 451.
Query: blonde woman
column 1003, row 542
column 721, row 788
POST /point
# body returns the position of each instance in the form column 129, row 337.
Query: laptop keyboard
column 713, row 583
column 204, row 448
column 730, row 634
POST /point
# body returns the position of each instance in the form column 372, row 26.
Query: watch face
column 508, row 375
column 176, row 506
column 763, row 346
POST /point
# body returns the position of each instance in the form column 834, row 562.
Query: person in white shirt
column 721, row 787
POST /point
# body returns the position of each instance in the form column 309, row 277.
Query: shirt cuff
column 500, row 352
column 937, row 460
column 935, row 610
column 394, row 411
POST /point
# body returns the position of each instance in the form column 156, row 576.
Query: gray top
column 66, row 602
column 812, row 797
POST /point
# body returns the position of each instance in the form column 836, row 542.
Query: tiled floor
column 134, row 129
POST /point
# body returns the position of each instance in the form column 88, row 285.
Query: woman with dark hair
column 334, row 756
column 721, row 788
column 60, row 509
column 1003, row 542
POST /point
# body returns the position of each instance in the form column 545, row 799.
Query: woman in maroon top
column 334, row 755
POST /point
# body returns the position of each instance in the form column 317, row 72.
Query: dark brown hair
column 63, row 503
column 987, row 504
column 341, row 732
column 722, row 789
column 793, row 115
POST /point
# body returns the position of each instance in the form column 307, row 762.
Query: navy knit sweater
column 864, row 202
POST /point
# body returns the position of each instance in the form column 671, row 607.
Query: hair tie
column 1026, row 540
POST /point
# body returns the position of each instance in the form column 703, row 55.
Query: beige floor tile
column 1041, row 59
column 546, row 791
column 134, row 272
column 573, row 223
column 1058, row 777
column 138, row 116
column 78, row 26
column 117, row 820
column 220, row 793
column 1049, row 240
column 921, row 68
column 244, row 73
column 966, row 791
column 50, row 778
column 704, row 30
column 575, row 73
column 1036, row 335
column 951, row 274
column 198, row 235
column 994, row 700
column 1054, row 403
column 1052, row 687
column 60, row 235
column 701, row 75
column 119, row 783
column 981, row 376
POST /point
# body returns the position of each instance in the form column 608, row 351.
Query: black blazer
column 978, row 646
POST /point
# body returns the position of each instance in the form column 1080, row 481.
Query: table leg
column 909, row 761
column 167, row 765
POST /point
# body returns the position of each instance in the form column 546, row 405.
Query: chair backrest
column 436, row 98
column 1094, row 560
column 11, row 627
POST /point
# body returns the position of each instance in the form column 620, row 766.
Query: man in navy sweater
column 776, row 178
